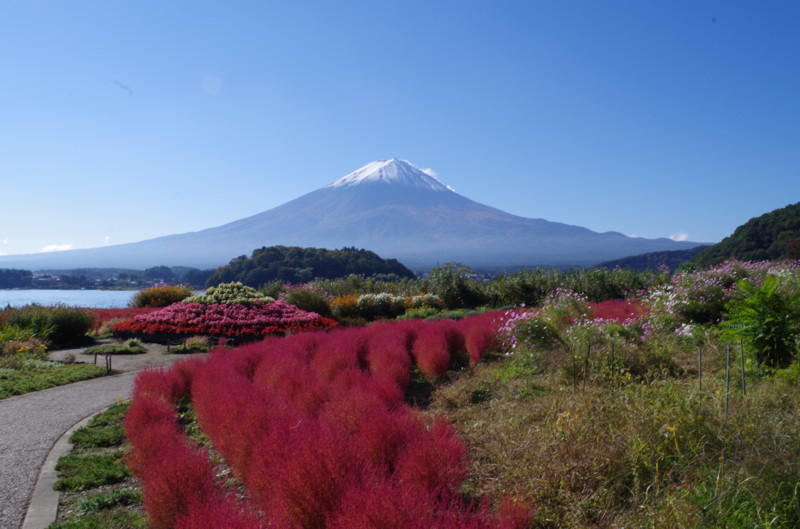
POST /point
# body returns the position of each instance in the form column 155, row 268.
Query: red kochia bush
column 431, row 351
column 617, row 310
column 315, row 428
column 179, row 477
column 102, row 316
column 479, row 332
column 221, row 513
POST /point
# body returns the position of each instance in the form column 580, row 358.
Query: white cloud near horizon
column 56, row 248
column 679, row 236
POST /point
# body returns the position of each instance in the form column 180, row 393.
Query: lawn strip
column 27, row 379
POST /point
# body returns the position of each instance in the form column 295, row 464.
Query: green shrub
column 767, row 319
column 536, row 333
column 310, row 301
column 423, row 313
column 194, row 344
column 378, row 306
column 161, row 295
column 130, row 347
column 57, row 323
column 454, row 284
column 229, row 293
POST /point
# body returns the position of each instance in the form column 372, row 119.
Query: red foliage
column 431, row 351
column 617, row 310
column 388, row 357
column 101, row 316
column 171, row 385
column 230, row 320
column 220, row 513
column 479, row 332
column 340, row 350
column 434, row 461
column 315, row 427
column 177, row 478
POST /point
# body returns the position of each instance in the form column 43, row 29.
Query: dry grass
column 651, row 451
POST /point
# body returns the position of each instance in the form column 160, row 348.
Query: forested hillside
column 297, row 265
column 774, row 235
column 653, row 260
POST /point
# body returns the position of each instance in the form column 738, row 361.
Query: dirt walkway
column 30, row 424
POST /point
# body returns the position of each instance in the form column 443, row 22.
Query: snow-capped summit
column 391, row 171
column 390, row 207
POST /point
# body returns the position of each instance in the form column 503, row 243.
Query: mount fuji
column 390, row 207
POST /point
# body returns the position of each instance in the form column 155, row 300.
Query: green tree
column 454, row 284
column 766, row 319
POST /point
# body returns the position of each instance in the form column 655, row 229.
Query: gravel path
column 30, row 424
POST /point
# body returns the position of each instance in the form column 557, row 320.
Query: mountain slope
column 389, row 207
column 774, row 235
column 652, row 261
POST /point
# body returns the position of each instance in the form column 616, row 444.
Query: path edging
column 43, row 505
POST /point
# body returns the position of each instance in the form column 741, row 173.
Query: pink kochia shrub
column 252, row 320
column 315, row 428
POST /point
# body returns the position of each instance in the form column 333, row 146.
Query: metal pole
column 586, row 365
column 574, row 371
column 700, row 368
column 727, row 377
column 613, row 367
column 744, row 381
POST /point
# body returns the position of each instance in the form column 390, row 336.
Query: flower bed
column 235, row 321
column 102, row 316
column 315, row 428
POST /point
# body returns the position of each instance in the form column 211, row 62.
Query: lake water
column 95, row 299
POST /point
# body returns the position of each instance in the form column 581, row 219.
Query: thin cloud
column 433, row 174
column 679, row 236
column 56, row 248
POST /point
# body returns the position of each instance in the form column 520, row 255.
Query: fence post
column 700, row 368
column 586, row 365
column 744, row 381
column 613, row 367
column 727, row 376
column 574, row 371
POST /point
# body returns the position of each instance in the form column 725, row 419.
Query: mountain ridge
column 389, row 207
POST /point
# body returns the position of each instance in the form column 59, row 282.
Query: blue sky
column 127, row 120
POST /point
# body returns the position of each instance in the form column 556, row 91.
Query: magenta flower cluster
column 230, row 320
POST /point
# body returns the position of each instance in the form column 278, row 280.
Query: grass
column 131, row 347
column 189, row 349
column 107, row 519
column 97, row 489
column 43, row 375
column 651, row 451
column 82, row 471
